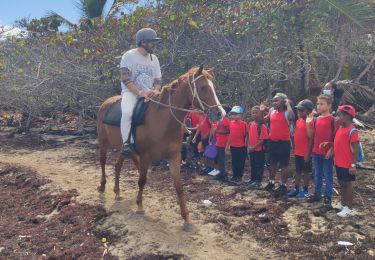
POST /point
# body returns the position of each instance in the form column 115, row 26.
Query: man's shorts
column 280, row 152
column 301, row 165
column 344, row 175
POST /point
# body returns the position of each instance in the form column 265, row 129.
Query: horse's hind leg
column 175, row 168
column 118, row 166
column 142, row 168
column 103, row 160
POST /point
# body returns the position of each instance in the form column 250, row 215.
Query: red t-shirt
column 222, row 139
column 204, row 125
column 195, row 119
column 237, row 135
column 342, row 148
column 323, row 133
column 279, row 127
column 254, row 137
column 301, row 140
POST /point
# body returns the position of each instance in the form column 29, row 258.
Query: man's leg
column 127, row 105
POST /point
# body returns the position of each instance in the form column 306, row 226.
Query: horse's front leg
column 175, row 167
column 118, row 166
column 142, row 168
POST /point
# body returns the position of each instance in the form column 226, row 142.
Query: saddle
column 113, row 116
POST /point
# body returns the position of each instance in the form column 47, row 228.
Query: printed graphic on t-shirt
column 143, row 76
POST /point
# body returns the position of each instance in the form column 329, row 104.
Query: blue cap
column 237, row 110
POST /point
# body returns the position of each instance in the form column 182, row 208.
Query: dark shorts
column 301, row 165
column 280, row 152
column 343, row 174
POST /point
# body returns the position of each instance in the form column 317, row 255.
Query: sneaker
column 314, row 198
column 221, row 177
column 235, row 180
column 303, row 194
column 254, row 185
column 327, row 202
column 338, row 206
column 280, row 191
column 345, row 212
column 126, row 149
column 269, row 186
column 214, row 172
column 293, row 193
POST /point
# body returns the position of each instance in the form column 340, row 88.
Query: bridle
column 194, row 92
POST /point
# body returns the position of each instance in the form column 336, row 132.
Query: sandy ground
column 240, row 224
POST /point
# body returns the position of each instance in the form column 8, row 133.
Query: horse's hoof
column 140, row 212
column 188, row 227
column 101, row 189
column 118, row 198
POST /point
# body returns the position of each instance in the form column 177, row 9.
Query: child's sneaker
column 214, row 172
column 338, row 206
column 280, row 191
column 314, row 198
column 345, row 212
column 269, row 186
column 303, row 194
column 293, row 193
column 254, row 185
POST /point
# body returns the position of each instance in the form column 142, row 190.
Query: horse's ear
column 173, row 86
column 200, row 70
column 210, row 71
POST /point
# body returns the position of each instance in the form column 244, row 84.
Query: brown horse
column 160, row 137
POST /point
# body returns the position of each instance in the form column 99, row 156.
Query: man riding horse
column 140, row 77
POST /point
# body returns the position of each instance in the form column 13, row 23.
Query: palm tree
column 359, row 12
column 92, row 9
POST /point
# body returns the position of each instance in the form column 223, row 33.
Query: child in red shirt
column 346, row 151
column 280, row 117
column 257, row 134
column 302, row 150
column 237, row 138
column 323, row 133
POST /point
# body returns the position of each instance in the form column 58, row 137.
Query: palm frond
column 116, row 7
column 53, row 14
column 359, row 12
column 361, row 96
column 90, row 8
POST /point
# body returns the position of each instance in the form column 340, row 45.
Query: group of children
column 319, row 140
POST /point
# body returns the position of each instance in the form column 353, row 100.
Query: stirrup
column 127, row 149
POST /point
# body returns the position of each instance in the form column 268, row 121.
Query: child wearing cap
column 302, row 150
column 280, row 117
column 323, row 132
column 346, row 150
column 237, row 140
column 257, row 134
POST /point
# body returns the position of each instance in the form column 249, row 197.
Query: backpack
column 361, row 155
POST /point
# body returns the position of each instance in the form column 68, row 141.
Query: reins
column 195, row 95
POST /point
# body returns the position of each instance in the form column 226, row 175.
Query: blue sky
column 11, row 10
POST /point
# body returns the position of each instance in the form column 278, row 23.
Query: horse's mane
column 208, row 73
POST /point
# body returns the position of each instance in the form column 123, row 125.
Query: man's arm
column 126, row 79
column 157, row 84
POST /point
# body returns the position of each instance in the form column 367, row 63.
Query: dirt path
column 240, row 224
column 158, row 232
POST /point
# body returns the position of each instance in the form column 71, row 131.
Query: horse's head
column 202, row 90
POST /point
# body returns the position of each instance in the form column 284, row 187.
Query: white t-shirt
column 143, row 70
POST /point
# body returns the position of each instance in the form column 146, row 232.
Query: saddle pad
column 113, row 115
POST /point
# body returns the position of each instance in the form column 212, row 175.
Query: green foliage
column 253, row 46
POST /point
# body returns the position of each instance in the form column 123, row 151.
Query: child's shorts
column 344, row 175
column 280, row 152
column 301, row 165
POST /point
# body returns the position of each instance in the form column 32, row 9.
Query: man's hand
column 148, row 94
